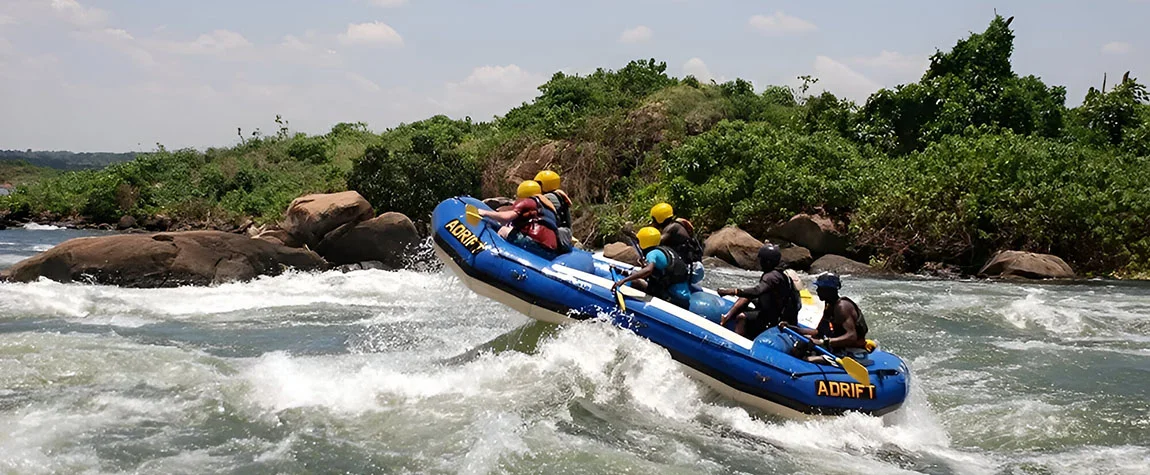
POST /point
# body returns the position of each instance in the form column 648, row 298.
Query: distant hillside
column 16, row 172
column 67, row 160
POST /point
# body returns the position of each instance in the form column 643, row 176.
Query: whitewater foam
column 41, row 227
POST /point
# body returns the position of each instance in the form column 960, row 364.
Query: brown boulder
column 735, row 246
column 498, row 202
column 712, row 262
column 157, row 222
column 278, row 236
column 621, row 252
column 389, row 239
column 797, row 258
column 163, row 260
column 126, row 222
column 840, row 265
column 818, row 233
column 311, row 217
column 1029, row 265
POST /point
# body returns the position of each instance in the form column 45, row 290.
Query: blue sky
column 116, row 75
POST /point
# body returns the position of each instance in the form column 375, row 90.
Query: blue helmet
column 829, row 279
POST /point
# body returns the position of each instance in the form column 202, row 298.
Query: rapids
column 408, row 372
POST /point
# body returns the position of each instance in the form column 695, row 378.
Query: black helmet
column 769, row 257
column 829, row 279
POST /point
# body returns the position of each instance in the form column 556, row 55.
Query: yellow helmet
column 649, row 237
column 548, row 179
column 527, row 189
column 661, row 212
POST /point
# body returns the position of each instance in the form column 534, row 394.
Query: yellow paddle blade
column 473, row 216
column 855, row 370
column 619, row 298
column 806, row 296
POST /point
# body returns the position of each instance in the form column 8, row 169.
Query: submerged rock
column 311, row 217
column 1029, row 265
column 163, row 260
column 734, row 246
column 712, row 262
column 841, row 265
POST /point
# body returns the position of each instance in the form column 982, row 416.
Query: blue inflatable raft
column 576, row 286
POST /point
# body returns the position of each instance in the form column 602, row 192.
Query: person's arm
column 850, row 334
column 749, row 292
column 735, row 310
column 639, row 274
column 503, row 217
column 808, row 332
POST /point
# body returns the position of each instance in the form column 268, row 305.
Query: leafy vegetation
column 971, row 159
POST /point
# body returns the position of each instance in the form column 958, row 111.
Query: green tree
column 413, row 181
column 973, row 84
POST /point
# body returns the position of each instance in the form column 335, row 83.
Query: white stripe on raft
column 675, row 310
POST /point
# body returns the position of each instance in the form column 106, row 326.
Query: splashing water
column 373, row 371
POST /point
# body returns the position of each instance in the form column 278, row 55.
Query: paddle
column 618, row 293
column 473, row 216
column 852, row 367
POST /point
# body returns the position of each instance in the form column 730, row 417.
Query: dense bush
column 969, row 195
column 413, row 181
column 755, row 174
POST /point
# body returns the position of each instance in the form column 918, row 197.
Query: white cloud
column 696, row 67
column 6, row 20
column 363, row 83
column 637, row 34
column 77, row 14
column 121, row 41
column 388, row 3
column 308, row 51
column 218, row 41
column 781, row 24
column 1117, row 48
column 893, row 60
column 843, row 81
column 490, row 90
column 376, row 33
column 891, row 67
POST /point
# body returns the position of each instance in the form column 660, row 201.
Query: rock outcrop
column 841, row 265
column 163, row 260
column 734, row 246
column 311, row 217
column 621, row 252
column 819, row 234
column 1029, row 265
column 388, row 239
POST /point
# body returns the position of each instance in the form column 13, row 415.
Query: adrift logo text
column 465, row 236
column 844, row 389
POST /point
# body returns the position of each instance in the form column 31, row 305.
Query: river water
column 408, row 372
